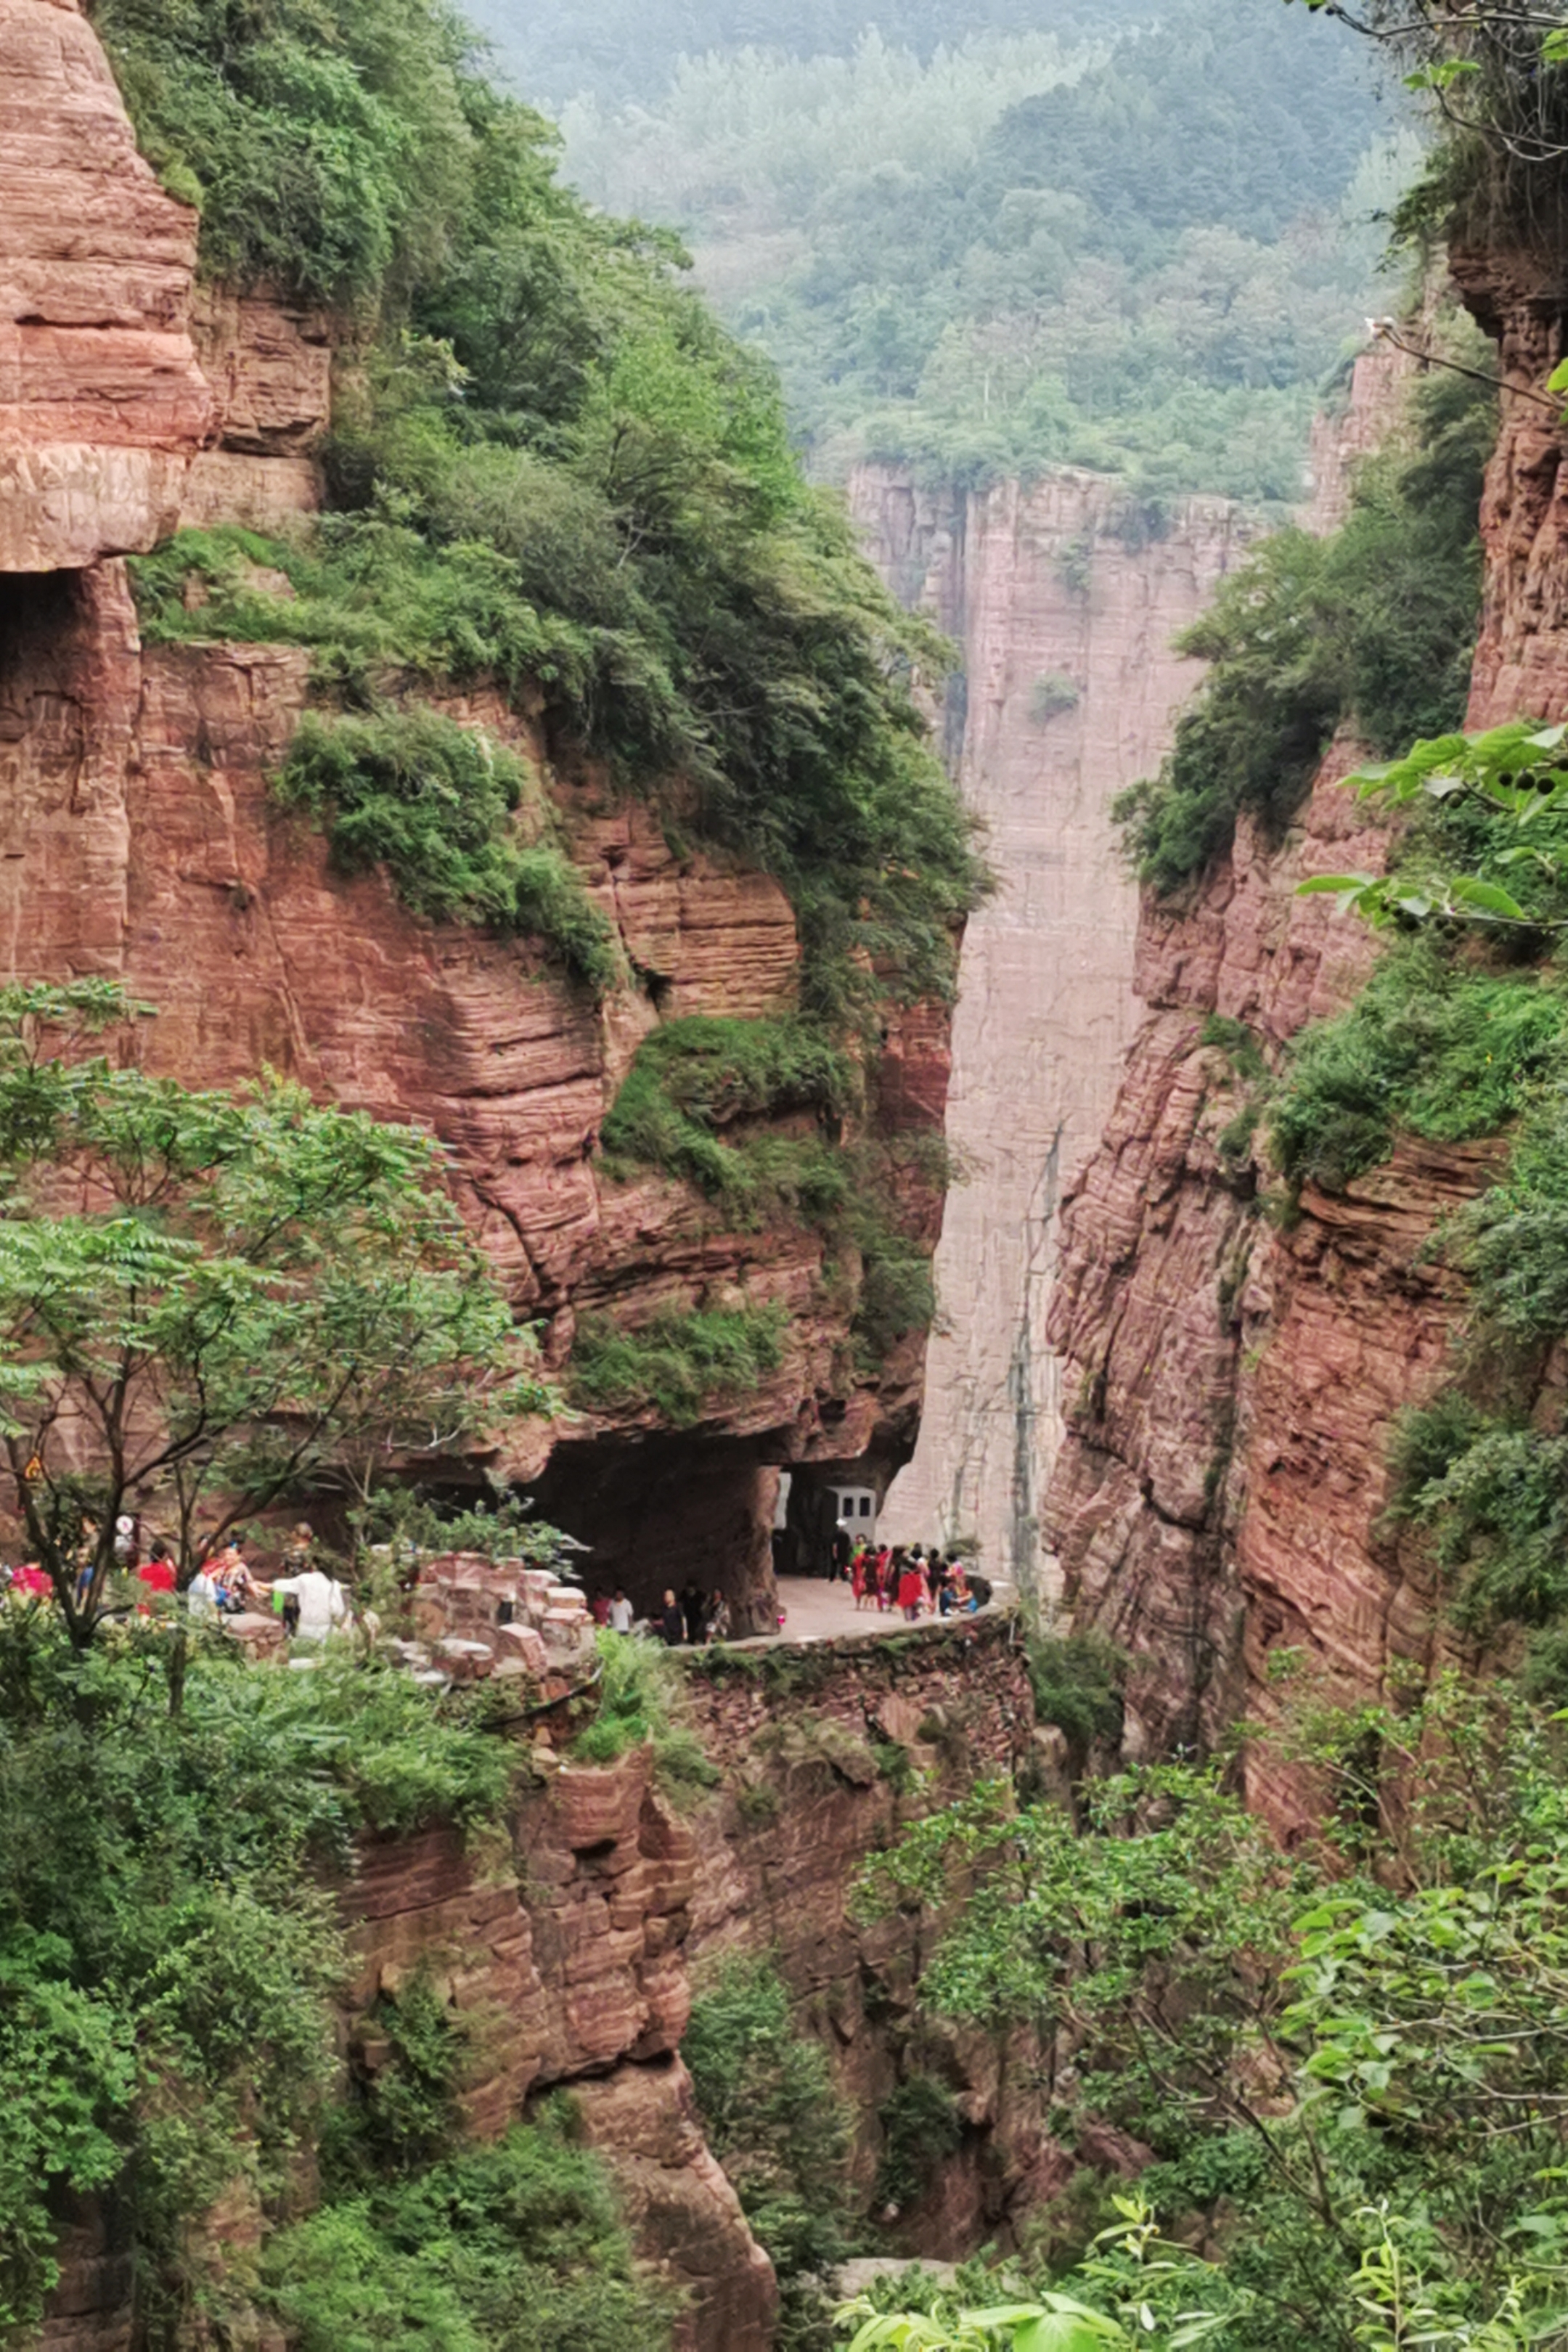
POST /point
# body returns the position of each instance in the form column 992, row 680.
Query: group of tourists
column 695, row 1618
column 690, row 1619
column 917, row 1583
column 311, row 1603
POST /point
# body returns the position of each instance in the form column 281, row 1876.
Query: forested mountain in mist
column 1014, row 239
column 560, row 50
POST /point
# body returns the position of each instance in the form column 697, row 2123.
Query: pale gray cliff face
column 1069, row 692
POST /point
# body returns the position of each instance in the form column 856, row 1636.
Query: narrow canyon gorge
column 1063, row 600
column 1063, row 608
column 1232, row 1383
column 1157, row 1398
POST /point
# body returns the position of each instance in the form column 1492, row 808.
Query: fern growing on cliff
column 692, row 1099
column 679, row 1362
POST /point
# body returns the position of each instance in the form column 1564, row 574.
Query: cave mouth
column 660, row 1511
column 40, row 618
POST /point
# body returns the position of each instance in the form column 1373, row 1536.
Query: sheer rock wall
column 584, row 1956
column 1230, row 1387
column 1067, row 692
column 101, row 402
column 138, row 840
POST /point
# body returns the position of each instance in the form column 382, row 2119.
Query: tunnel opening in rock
column 40, row 615
column 823, row 1497
column 668, row 1509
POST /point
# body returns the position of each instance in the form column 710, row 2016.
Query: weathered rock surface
column 677, row 2199
column 574, row 1957
column 1232, row 1386
column 1343, row 435
column 140, row 842
column 101, row 402
column 1070, row 686
column 268, row 365
column 1522, row 661
column 1162, row 1254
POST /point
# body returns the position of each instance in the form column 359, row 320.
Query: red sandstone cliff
column 101, row 402
column 140, row 842
column 1231, row 1386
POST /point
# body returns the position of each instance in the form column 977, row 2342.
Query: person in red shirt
column 158, row 1575
column 912, row 1589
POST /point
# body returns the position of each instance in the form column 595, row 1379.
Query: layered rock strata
column 1232, row 1386
column 140, row 843
column 102, row 404
column 585, row 1958
column 1063, row 614
column 1200, row 1467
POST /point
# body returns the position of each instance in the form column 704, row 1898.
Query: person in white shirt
column 620, row 1613
column 323, row 1604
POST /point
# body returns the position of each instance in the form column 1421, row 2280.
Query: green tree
column 781, row 2131
column 208, row 1301
column 1359, row 2076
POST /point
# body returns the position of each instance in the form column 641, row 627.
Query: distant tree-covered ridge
column 1135, row 248
column 559, row 49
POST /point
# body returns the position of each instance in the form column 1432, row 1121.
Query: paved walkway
column 815, row 1611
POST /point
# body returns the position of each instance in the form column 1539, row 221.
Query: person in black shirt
column 691, row 1603
column 668, row 1623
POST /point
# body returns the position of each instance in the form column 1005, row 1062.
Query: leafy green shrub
column 676, row 1361
column 403, row 2113
column 1053, row 693
column 408, row 1519
column 327, row 151
column 169, row 1943
column 642, row 1696
column 920, row 2127
column 1372, row 627
column 512, row 2248
column 693, row 1078
column 374, row 600
column 1425, row 1443
column 898, row 1291
column 1238, row 1044
column 68, row 2077
column 1475, row 1466
column 1078, row 1681
column 1501, row 1511
column 1442, row 1051
column 431, row 800
column 776, row 2124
